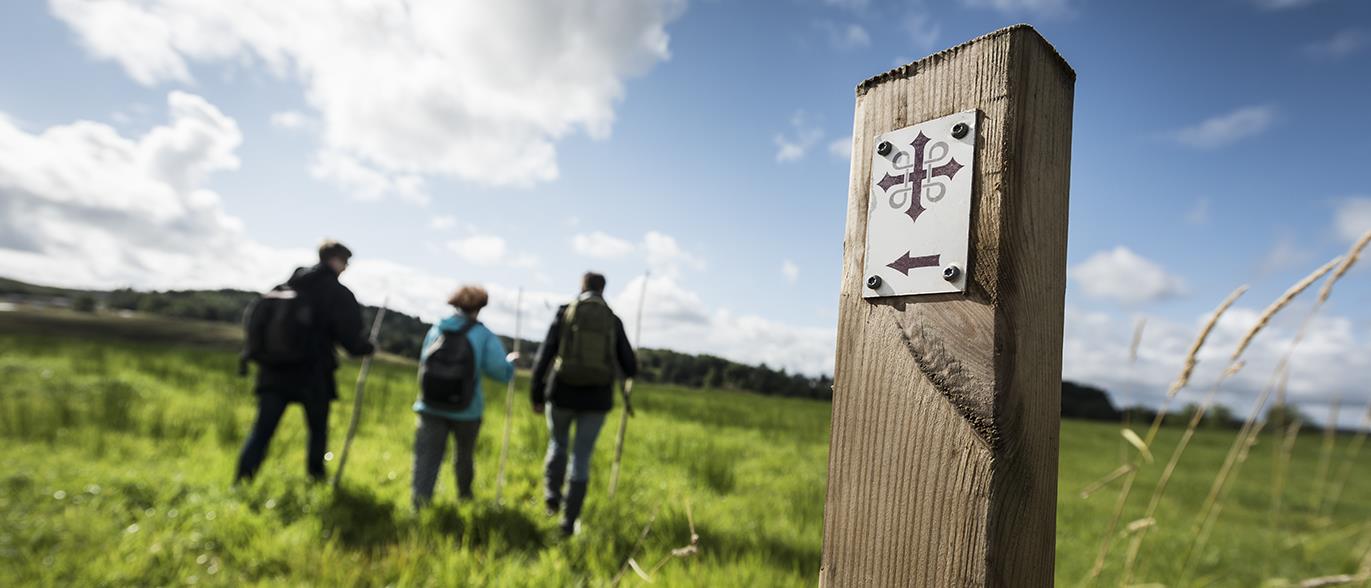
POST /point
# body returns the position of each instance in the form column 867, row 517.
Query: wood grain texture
column 943, row 459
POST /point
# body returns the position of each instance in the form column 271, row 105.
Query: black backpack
column 447, row 377
column 279, row 328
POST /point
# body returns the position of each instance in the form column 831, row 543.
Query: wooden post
column 943, row 459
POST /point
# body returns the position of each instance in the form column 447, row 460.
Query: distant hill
column 1082, row 401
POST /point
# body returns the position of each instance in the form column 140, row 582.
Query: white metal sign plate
column 919, row 218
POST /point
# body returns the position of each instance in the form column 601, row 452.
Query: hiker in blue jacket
column 437, row 421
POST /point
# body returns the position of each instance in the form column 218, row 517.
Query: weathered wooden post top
column 943, row 459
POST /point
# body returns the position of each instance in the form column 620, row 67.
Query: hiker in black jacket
column 336, row 320
column 584, row 352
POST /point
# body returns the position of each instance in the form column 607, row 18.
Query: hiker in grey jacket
column 585, row 350
column 437, row 423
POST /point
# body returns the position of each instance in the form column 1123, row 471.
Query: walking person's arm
column 495, row 363
column 347, row 324
column 433, row 334
column 623, row 351
column 543, row 363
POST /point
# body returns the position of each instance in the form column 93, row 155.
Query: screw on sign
column 919, row 216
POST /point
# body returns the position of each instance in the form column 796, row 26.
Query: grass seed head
column 1348, row 261
column 1137, row 339
column 1280, row 303
column 1190, row 358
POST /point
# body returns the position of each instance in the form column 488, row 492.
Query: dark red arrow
column 906, row 263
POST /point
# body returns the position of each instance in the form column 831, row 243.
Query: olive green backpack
column 585, row 350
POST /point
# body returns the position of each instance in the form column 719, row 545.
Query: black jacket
column 338, row 321
column 561, row 395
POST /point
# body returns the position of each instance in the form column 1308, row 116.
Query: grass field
column 118, row 452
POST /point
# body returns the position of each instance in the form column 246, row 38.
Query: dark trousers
column 270, row 407
column 430, row 443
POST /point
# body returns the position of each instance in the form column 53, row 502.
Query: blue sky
column 1215, row 144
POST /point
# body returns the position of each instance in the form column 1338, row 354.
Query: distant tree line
column 403, row 335
column 1088, row 402
column 708, row 371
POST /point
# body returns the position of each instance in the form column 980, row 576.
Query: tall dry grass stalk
column 1188, row 367
column 1191, row 358
column 1246, row 435
column 1287, row 446
column 688, row 550
column 1330, row 503
column 1201, row 536
column 1133, row 344
column 1330, row 429
column 1158, row 491
column 1279, row 483
column 1237, row 454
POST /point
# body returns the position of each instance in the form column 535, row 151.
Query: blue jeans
column 559, row 424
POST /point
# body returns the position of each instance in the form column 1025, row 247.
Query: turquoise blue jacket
column 490, row 359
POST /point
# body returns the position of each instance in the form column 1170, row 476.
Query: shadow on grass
column 487, row 525
column 493, row 525
column 359, row 519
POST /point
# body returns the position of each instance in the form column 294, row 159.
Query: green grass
column 118, row 452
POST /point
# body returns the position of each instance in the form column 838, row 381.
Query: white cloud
column 1334, row 358
column 663, row 254
column 666, row 257
column 1226, row 129
column 804, row 134
column 1037, row 7
column 1341, row 44
column 443, row 222
column 476, row 90
column 486, row 250
column 479, row 249
column 1353, row 217
column 364, row 182
column 1123, row 276
column 923, row 30
column 841, row 149
column 81, row 204
column 844, row 37
column 790, row 271
column 291, row 120
column 600, row 245
column 1199, row 213
column 675, row 317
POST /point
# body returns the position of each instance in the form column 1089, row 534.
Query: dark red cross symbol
column 915, row 179
column 916, row 175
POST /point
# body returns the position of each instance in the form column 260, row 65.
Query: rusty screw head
column 873, row 282
column 883, row 149
column 951, row 272
column 960, row 130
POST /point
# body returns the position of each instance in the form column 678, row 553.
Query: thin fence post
column 943, row 451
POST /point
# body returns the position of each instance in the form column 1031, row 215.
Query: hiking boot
column 569, row 529
column 575, row 498
column 552, row 507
